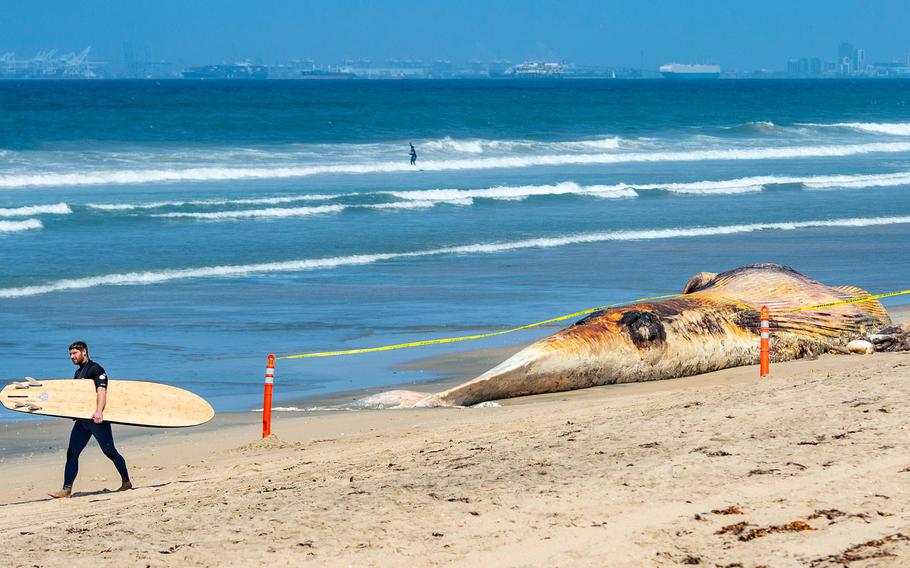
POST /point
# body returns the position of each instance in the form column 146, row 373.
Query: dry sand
column 807, row 468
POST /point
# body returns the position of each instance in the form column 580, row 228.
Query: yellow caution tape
column 570, row 316
column 469, row 337
column 739, row 303
column 845, row 302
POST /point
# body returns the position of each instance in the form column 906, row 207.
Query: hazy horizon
column 581, row 32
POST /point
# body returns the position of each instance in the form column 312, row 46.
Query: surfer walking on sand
column 85, row 428
column 413, row 155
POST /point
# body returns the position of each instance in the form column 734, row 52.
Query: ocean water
column 186, row 229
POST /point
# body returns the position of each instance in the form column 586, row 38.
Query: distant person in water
column 413, row 155
column 85, row 428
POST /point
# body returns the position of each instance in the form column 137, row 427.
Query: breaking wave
column 893, row 128
column 517, row 192
column 208, row 202
column 480, row 146
column 757, row 183
column 250, row 213
column 430, row 197
column 234, row 271
column 55, row 209
column 16, row 226
column 201, row 174
column 754, row 127
column 278, row 212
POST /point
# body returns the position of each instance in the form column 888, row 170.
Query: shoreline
column 450, row 370
column 808, row 466
column 623, row 475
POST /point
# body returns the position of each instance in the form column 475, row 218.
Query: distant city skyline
column 633, row 35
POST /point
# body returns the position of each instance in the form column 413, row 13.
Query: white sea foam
column 893, row 128
column 279, row 212
column 599, row 144
column 307, row 409
column 419, row 204
column 252, row 213
column 430, row 197
column 16, row 226
column 234, row 271
column 480, row 146
column 517, row 192
column 857, row 181
column 449, row 144
column 55, row 209
column 757, row 183
column 754, row 127
column 729, row 186
column 211, row 202
column 107, row 177
column 425, row 198
column 719, row 187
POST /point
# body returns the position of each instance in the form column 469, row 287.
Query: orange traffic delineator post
column 764, row 355
column 267, row 397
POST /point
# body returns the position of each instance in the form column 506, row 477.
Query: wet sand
column 809, row 467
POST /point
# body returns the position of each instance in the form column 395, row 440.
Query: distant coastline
column 310, row 79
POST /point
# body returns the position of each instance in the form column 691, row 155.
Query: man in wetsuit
column 85, row 428
column 413, row 155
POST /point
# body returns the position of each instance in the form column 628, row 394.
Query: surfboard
column 139, row 403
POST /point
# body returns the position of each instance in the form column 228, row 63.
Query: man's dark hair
column 80, row 345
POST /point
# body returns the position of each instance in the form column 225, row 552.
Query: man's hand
column 99, row 407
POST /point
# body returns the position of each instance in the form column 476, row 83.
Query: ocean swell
column 241, row 270
column 201, row 174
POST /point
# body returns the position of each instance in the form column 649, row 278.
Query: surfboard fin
column 29, row 382
column 28, row 405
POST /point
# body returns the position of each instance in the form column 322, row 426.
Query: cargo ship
column 236, row 71
column 687, row 71
column 536, row 70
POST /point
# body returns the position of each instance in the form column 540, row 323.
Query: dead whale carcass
column 713, row 325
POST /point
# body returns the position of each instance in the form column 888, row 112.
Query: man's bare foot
column 125, row 486
column 62, row 494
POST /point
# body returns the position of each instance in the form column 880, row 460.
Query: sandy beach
column 807, row 468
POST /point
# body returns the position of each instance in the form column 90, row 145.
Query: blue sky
column 735, row 34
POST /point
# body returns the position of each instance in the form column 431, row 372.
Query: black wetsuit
column 84, row 429
column 413, row 155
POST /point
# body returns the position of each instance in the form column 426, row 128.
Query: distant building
column 805, row 67
column 815, row 66
column 846, row 59
column 440, row 69
column 798, row 66
column 890, row 69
